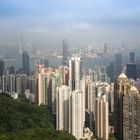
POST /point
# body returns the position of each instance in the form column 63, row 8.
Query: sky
column 47, row 22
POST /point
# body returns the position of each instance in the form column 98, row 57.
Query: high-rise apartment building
column 70, row 112
column 90, row 104
column 75, row 72
column 37, row 71
column 21, row 83
column 101, row 117
column 12, row 83
column 42, row 88
column 93, row 75
column 5, row 83
column 55, row 82
column 31, row 84
column 43, row 80
column 64, row 70
column 44, row 95
column 62, row 108
column 76, row 116
column 101, row 73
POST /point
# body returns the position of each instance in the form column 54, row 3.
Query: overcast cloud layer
column 47, row 22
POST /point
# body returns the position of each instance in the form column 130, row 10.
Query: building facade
column 76, row 116
column 26, row 67
column 62, row 108
column 65, row 53
column 101, row 117
column 75, row 72
column 126, row 109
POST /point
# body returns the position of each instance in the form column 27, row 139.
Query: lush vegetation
column 25, row 121
column 111, row 137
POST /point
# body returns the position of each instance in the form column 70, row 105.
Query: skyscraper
column 37, row 71
column 55, row 82
column 26, row 68
column 12, row 83
column 4, row 83
column 131, row 122
column 64, row 70
column 90, row 103
column 101, row 117
column 31, row 84
column 126, row 108
column 131, row 70
column 62, row 108
column 18, row 84
column 42, row 88
column 76, row 116
column 1, row 67
column 110, row 71
column 21, row 83
column 121, row 88
column 43, row 85
column 75, row 72
column 65, row 53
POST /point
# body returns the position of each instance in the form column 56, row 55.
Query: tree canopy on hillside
column 25, row 121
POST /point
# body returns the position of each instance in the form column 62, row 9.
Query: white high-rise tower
column 101, row 117
column 62, row 108
column 76, row 116
column 41, row 87
column 75, row 73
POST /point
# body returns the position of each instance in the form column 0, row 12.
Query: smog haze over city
column 46, row 23
column 70, row 69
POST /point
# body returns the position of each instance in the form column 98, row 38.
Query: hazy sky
column 47, row 22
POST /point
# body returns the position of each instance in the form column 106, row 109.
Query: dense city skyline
column 75, row 61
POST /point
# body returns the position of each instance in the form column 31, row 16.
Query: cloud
column 80, row 25
column 79, row 19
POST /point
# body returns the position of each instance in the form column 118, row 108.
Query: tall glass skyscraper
column 25, row 58
column 1, row 67
column 131, row 70
column 65, row 53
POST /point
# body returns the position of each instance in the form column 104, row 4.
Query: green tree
column 26, row 121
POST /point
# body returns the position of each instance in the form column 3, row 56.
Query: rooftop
column 122, row 76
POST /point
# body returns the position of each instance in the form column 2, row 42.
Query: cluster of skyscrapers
column 96, row 102
column 80, row 104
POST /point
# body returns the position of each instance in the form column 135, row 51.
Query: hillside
column 25, row 121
